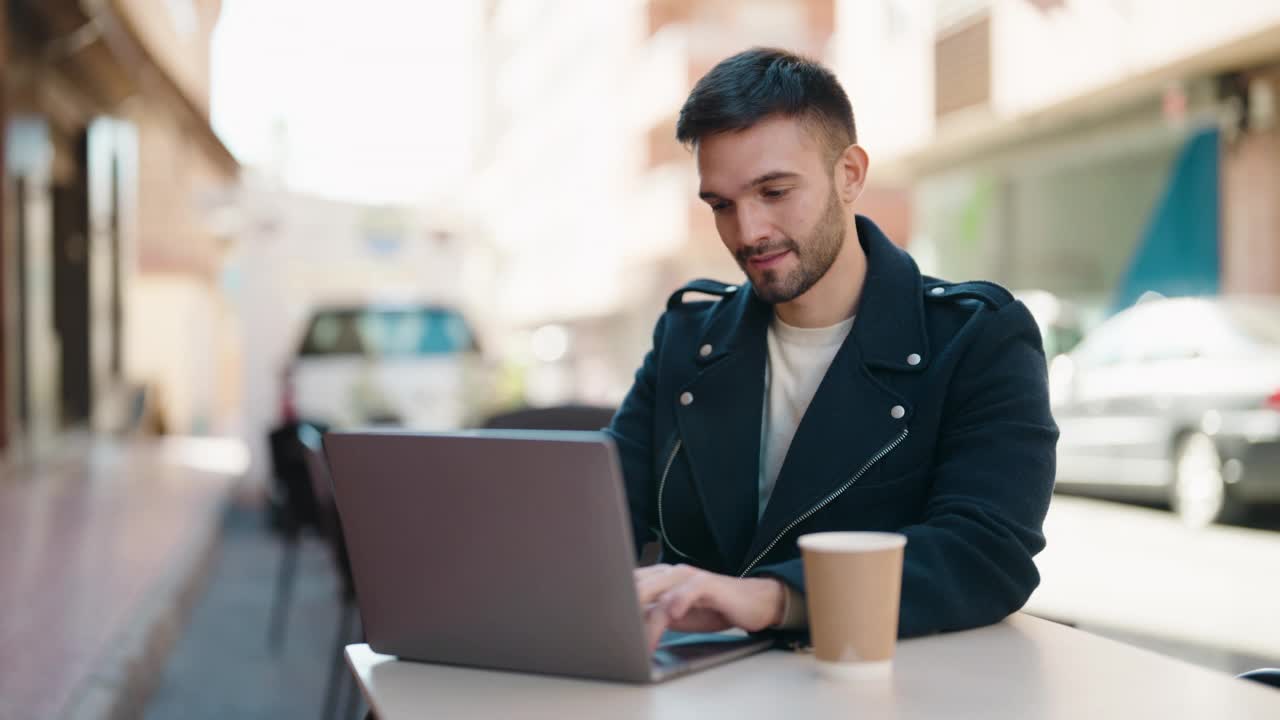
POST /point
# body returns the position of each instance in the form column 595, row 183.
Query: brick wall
column 4, row 124
column 1251, row 210
column 1251, row 215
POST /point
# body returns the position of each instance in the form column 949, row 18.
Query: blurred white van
column 416, row 366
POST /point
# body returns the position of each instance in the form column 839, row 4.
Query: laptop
column 503, row 549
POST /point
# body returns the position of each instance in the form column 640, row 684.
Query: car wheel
column 1199, row 492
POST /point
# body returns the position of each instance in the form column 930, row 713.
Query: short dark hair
column 746, row 88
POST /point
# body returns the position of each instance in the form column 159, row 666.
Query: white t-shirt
column 798, row 360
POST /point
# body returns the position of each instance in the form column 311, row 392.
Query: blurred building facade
column 111, row 265
column 1092, row 148
column 595, row 258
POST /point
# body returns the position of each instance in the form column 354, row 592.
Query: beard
column 816, row 255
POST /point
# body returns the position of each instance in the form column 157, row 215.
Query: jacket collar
column 890, row 328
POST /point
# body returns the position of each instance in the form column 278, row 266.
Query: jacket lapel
column 849, row 420
column 720, row 427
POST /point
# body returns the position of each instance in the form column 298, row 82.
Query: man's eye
column 775, row 193
column 719, row 207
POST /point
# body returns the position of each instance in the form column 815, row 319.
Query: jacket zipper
column 662, row 485
column 826, row 500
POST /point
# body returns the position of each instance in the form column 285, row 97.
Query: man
column 836, row 389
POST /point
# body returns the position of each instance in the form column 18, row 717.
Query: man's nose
column 753, row 226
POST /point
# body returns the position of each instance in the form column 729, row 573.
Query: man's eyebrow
column 767, row 177
column 770, row 177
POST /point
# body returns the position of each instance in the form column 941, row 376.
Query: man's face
column 775, row 206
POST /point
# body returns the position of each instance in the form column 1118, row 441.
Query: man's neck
column 835, row 296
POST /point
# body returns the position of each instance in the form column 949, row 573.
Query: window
column 962, row 67
column 387, row 332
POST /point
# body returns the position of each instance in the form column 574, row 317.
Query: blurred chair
column 1266, row 676
column 555, row 417
column 291, row 511
column 566, row 417
column 327, row 523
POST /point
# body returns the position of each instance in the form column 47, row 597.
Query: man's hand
column 684, row 598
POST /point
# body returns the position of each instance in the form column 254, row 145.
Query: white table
column 1022, row 668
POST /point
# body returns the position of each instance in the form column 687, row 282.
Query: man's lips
column 766, row 261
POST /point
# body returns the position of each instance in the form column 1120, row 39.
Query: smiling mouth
column 767, row 261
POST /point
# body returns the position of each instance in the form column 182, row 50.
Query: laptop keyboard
column 682, row 648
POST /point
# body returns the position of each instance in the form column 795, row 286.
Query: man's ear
column 851, row 173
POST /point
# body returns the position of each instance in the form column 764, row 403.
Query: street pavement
column 1138, row 574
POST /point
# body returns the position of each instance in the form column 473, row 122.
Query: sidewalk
column 1141, row 577
column 221, row 666
column 103, row 548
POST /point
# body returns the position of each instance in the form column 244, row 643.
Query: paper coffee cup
column 853, row 584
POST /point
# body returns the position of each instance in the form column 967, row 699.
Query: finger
column 693, row 592
column 655, row 623
column 643, row 572
column 650, row 587
column 699, row 620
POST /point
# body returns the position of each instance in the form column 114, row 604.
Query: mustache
column 745, row 254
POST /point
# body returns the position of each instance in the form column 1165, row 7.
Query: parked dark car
column 1177, row 400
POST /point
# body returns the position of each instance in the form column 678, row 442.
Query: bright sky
column 374, row 98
